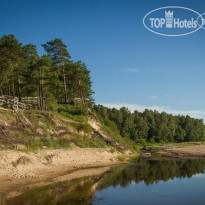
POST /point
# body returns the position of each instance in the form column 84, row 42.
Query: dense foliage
column 152, row 126
column 53, row 77
column 56, row 79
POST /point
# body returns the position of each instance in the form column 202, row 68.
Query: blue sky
column 129, row 65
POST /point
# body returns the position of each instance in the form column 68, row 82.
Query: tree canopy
column 53, row 77
column 153, row 126
column 56, row 79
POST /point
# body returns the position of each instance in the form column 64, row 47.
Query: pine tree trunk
column 64, row 84
column 39, row 91
column 19, row 90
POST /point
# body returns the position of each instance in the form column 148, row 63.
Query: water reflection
column 83, row 191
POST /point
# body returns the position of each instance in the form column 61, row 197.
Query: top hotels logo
column 173, row 21
column 169, row 19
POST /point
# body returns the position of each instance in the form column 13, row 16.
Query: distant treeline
column 152, row 126
column 52, row 77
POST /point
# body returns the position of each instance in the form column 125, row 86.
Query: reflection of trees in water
column 81, row 191
column 77, row 191
column 152, row 172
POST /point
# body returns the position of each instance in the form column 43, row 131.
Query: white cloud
column 132, row 70
column 193, row 113
column 169, row 96
column 154, row 97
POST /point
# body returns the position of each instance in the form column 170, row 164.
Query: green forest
column 152, row 126
column 52, row 77
column 58, row 80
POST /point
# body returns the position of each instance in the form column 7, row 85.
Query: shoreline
column 190, row 151
column 14, row 187
column 19, row 169
column 69, row 164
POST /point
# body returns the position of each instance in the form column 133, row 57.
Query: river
column 145, row 182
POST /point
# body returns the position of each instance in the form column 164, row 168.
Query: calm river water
column 145, row 182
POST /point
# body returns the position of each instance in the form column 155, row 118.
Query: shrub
column 28, row 131
column 72, row 110
column 60, row 143
column 37, row 144
column 155, row 149
column 46, row 141
column 52, row 103
column 136, row 149
column 112, row 150
column 141, row 141
column 135, row 159
column 85, row 142
column 121, row 158
column 83, row 127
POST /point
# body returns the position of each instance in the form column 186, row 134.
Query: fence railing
column 26, row 102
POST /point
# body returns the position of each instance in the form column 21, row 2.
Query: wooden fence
column 26, row 102
column 29, row 102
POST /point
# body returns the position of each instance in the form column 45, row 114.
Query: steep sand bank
column 19, row 168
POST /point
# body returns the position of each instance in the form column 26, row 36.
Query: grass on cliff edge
column 38, row 135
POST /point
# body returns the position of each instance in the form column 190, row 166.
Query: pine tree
column 80, row 83
column 30, row 85
column 60, row 57
column 11, row 65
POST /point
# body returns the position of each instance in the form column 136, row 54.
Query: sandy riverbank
column 193, row 151
column 20, row 169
